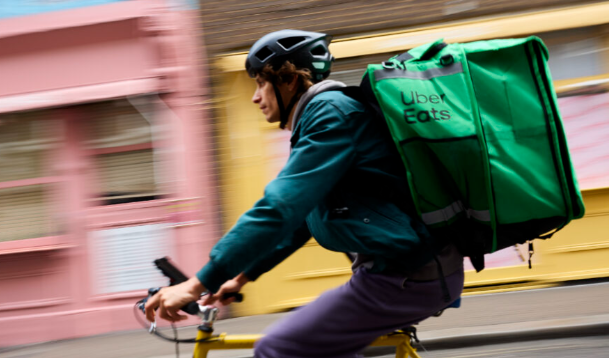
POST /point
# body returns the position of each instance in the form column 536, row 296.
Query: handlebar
column 175, row 277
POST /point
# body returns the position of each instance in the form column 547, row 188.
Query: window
column 26, row 188
column 578, row 55
column 575, row 53
column 119, row 140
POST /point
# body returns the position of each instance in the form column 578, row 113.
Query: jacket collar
column 323, row 86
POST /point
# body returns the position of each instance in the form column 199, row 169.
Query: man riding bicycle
column 344, row 184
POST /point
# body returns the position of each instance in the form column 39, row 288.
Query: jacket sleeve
column 281, row 252
column 262, row 237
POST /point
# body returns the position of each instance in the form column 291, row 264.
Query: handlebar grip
column 238, row 296
column 192, row 308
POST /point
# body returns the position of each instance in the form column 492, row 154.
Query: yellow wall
column 581, row 250
column 578, row 251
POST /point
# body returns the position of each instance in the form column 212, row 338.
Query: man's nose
column 256, row 97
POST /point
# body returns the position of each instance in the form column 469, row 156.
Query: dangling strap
column 284, row 112
column 445, row 292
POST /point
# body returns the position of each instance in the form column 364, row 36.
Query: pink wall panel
column 74, row 57
column 37, row 279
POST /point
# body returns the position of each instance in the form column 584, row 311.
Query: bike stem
column 208, row 315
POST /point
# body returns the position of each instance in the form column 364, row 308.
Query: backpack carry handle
column 422, row 53
column 432, row 51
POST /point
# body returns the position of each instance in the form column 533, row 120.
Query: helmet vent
column 290, row 42
column 264, row 53
column 319, row 51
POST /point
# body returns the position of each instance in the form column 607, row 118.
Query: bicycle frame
column 207, row 342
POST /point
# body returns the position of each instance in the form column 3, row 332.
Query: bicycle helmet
column 302, row 48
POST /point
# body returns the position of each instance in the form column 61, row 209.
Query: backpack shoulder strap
column 363, row 94
column 354, row 92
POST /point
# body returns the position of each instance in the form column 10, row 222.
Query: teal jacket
column 344, row 183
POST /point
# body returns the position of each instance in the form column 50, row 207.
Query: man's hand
column 229, row 286
column 169, row 300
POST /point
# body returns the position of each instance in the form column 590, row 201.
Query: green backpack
column 478, row 128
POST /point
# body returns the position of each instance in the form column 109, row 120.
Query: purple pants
column 345, row 320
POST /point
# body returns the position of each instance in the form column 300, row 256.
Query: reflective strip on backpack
column 386, row 73
column 450, row 211
column 480, row 215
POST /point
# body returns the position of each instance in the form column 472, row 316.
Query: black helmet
column 303, row 48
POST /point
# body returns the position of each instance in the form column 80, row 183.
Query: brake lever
column 152, row 328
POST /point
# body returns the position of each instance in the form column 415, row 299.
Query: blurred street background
column 127, row 133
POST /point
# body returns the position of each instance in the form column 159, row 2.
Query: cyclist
column 345, row 185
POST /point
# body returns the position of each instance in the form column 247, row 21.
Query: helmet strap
column 284, row 111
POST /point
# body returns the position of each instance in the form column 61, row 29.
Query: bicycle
column 206, row 340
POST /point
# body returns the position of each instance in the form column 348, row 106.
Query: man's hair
column 285, row 74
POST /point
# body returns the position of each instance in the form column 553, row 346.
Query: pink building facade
column 105, row 163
